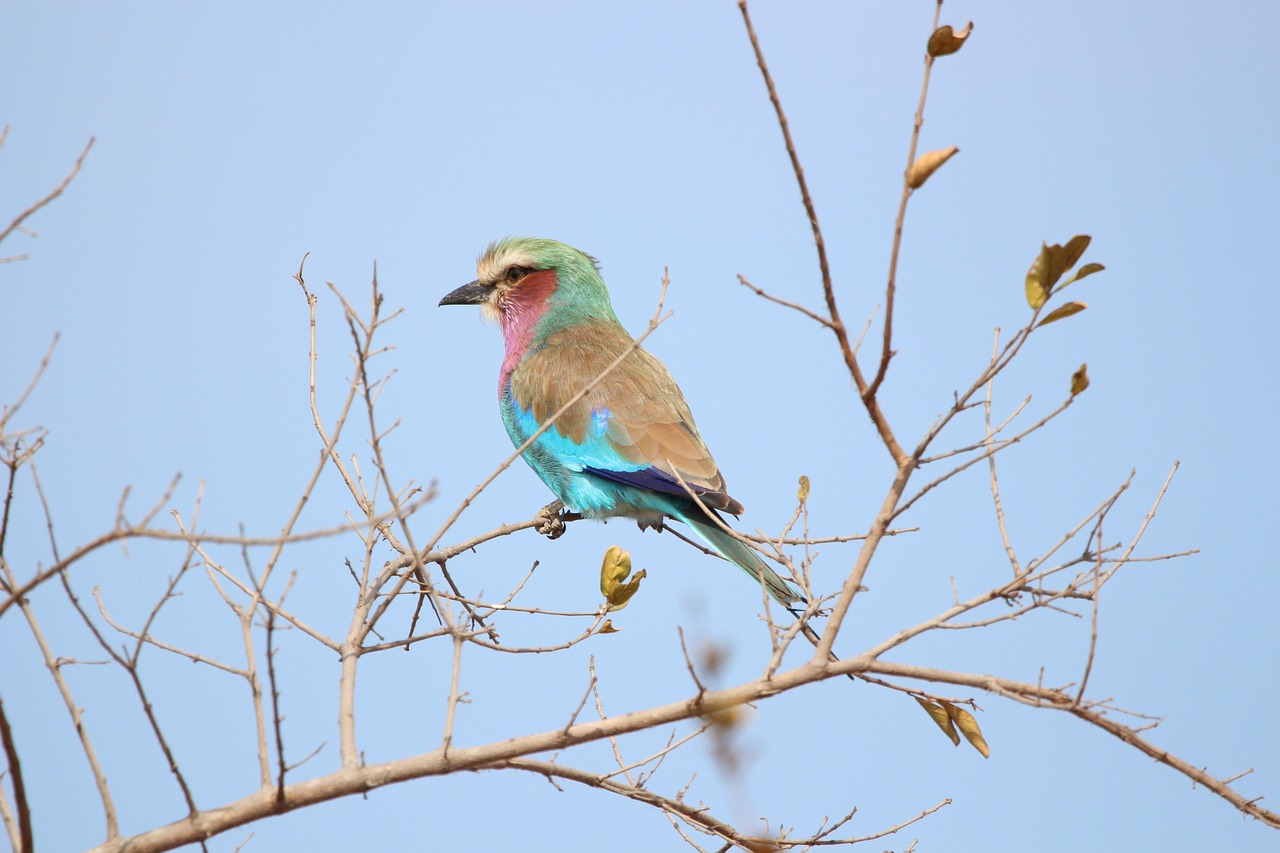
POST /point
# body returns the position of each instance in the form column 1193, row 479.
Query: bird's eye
column 514, row 274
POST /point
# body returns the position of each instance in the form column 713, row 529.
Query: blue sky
column 233, row 139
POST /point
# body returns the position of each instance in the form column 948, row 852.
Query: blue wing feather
column 651, row 479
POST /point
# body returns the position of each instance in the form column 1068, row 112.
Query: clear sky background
column 233, row 138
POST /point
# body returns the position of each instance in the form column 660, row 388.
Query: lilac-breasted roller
column 623, row 449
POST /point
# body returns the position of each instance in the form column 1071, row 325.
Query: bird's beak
column 472, row 293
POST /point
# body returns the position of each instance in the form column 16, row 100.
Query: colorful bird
column 624, row 448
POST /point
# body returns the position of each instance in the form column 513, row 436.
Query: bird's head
column 525, row 277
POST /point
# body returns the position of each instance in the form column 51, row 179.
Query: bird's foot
column 551, row 518
column 651, row 523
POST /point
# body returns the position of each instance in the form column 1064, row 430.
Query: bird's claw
column 651, row 524
column 550, row 520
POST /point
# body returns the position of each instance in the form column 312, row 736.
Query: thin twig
column 54, row 666
column 886, row 352
column 9, row 410
column 991, row 466
column 276, row 719
column 795, row 306
column 22, row 217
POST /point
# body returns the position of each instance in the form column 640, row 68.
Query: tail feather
column 744, row 558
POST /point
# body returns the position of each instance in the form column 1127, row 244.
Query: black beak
column 472, row 293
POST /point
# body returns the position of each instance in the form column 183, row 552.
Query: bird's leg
column 551, row 518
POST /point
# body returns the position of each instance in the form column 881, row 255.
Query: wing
column 634, row 427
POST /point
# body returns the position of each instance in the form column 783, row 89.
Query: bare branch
column 7, row 413
column 21, row 839
column 784, row 303
column 54, row 665
column 886, row 352
column 22, row 217
column 828, row 290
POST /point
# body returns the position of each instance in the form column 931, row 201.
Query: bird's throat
column 521, row 313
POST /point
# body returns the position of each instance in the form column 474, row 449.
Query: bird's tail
column 744, row 558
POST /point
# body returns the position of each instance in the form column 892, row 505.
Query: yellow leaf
column 614, row 586
column 1037, row 279
column 940, row 716
column 1062, row 311
column 607, row 628
column 803, row 492
column 926, row 164
column 968, row 727
column 1080, row 380
column 623, row 595
column 946, row 41
column 614, row 569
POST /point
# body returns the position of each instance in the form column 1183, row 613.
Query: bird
column 629, row 447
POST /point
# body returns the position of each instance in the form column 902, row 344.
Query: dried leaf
column 1051, row 263
column 607, row 628
column 802, row 493
column 1065, row 310
column 614, row 586
column 1074, row 249
column 1084, row 272
column 940, row 716
column 726, row 717
column 926, row 164
column 1080, row 380
column 968, row 727
column 945, row 40
column 1054, row 266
